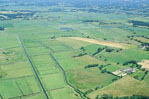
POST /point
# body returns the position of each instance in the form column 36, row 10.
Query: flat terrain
column 73, row 49
column 120, row 88
column 105, row 43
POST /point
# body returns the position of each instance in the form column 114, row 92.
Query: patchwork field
column 74, row 49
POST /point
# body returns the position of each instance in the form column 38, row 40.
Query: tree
column 82, row 48
column 106, row 96
column 100, row 67
column 114, row 79
column 136, row 77
column 97, row 97
column 103, row 71
column 118, row 63
column 53, row 37
column 105, row 59
column 109, row 50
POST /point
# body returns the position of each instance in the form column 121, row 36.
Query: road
column 36, row 74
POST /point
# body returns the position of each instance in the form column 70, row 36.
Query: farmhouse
column 123, row 72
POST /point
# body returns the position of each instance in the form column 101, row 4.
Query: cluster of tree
column 73, row 10
column 93, row 10
column 35, row 2
column 2, row 29
column 144, row 44
column 53, row 37
column 99, row 87
column 103, row 71
column 56, row 10
column 90, row 21
column 109, row 50
column 6, row 53
column 101, row 66
column 91, row 65
column 7, row 59
column 81, row 54
column 119, row 50
column 116, row 78
column 98, row 51
column 66, row 36
column 82, row 48
column 18, row 15
column 81, row 93
column 147, row 48
column 91, row 5
column 145, row 37
column 106, row 23
column 139, row 23
column 131, row 37
column 106, row 96
column 67, row 29
column 134, row 64
column 87, row 92
column 91, row 90
column 130, row 62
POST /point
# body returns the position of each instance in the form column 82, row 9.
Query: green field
column 71, row 49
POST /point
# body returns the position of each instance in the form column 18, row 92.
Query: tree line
column 106, row 96
column 139, row 23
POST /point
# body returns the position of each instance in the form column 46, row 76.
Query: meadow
column 87, row 46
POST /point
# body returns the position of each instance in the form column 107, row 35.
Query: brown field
column 105, row 43
column 145, row 64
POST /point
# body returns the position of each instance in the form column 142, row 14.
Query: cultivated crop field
column 63, row 50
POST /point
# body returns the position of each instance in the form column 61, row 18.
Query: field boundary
column 36, row 74
column 65, row 78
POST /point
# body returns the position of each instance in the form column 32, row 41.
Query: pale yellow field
column 8, row 12
column 145, row 64
column 11, row 12
column 105, row 43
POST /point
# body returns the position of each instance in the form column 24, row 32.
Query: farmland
column 66, row 50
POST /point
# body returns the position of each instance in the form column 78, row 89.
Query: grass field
column 125, row 55
column 89, row 79
column 124, row 87
column 88, row 43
